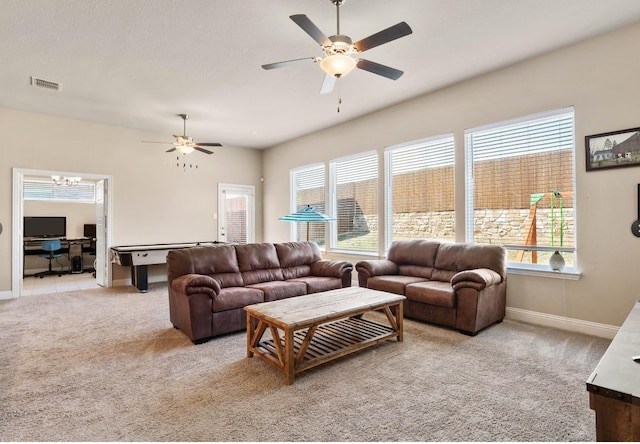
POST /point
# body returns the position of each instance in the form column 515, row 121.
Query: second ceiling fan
column 339, row 50
column 185, row 144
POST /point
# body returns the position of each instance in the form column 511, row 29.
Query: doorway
column 103, row 224
column 236, row 213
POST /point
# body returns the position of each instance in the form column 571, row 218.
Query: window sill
column 568, row 274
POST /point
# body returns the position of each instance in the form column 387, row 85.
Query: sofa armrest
column 477, row 279
column 331, row 268
column 377, row 267
column 189, row 284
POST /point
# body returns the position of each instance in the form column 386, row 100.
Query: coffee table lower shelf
column 330, row 341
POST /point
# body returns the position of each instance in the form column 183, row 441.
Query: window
column 355, row 200
column 419, row 187
column 520, row 187
column 308, row 189
column 42, row 189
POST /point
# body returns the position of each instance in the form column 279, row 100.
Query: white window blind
column 355, row 199
column 420, row 190
column 237, row 209
column 309, row 189
column 520, row 187
column 40, row 189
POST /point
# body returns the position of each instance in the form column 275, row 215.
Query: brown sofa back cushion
column 414, row 252
column 258, row 263
column 414, row 257
column 456, row 257
column 219, row 262
column 415, row 270
column 296, row 258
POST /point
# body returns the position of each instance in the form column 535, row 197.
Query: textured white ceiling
column 138, row 63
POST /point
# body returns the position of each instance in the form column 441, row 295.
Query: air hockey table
column 139, row 257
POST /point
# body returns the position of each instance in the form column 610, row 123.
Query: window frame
column 332, row 202
column 516, row 267
column 388, row 176
column 293, row 198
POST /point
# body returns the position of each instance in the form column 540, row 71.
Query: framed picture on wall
column 616, row 149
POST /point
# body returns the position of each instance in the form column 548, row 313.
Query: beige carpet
column 106, row 365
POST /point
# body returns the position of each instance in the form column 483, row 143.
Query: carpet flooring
column 107, row 365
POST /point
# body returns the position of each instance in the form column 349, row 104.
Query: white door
column 101, row 254
column 236, row 209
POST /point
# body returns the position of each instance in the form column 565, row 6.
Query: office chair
column 51, row 246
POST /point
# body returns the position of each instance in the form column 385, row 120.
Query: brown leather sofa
column 456, row 285
column 210, row 285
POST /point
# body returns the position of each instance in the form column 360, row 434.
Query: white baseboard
column 7, row 294
column 562, row 323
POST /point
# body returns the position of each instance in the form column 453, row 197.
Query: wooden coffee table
column 310, row 330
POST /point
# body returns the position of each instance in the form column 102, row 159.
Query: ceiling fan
column 185, row 144
column 339, row 50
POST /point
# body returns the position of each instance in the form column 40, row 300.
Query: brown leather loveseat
column 210, row 285
column 456, row 285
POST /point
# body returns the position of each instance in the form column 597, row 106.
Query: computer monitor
column 45, row 226
column 90, row 230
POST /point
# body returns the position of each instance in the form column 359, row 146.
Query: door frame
column 248, row 190
column 18, row 212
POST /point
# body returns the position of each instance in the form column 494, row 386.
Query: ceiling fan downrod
column 184, row 123
column 338, row 3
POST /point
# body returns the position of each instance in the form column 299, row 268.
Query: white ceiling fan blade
column 289, row 62
column 327, row 84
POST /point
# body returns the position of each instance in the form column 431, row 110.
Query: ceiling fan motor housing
column 340, row 44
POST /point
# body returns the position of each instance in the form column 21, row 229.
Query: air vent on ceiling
column 40, row 83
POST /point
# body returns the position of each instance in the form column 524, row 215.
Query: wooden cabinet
column 614, row 385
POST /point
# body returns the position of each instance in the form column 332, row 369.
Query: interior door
column 101, row 250
column 236, row 209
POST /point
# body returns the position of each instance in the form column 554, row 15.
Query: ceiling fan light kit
column 339, row 50
column 185, row 149
column 185, row 144
column 338, row 65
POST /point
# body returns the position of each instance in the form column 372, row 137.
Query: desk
column 139, row 257
column 31, row 246
column 614, row 386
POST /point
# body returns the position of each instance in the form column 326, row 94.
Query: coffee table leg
column 250, row 333
column 289, row 357
column 400, row 321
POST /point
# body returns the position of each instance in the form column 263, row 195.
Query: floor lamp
column 307, row 214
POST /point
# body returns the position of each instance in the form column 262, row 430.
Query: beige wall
column 600, row 79
column 153, row 200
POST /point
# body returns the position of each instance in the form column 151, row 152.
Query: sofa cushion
column 218, row 261
column 296, row 272
column 280, row 289
column 231, row 298
column 392, row 283
column 459, row 257
column 415, row 270
column 258, row 263
column 257, row 257
column 442, row 275
column 414, row 252
column 257, row 276
column 228, row 279
column 291, row 254
column 316, row 284
column 433, row 293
